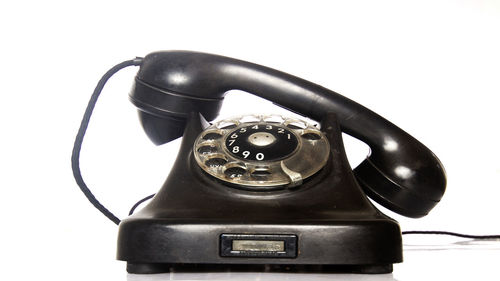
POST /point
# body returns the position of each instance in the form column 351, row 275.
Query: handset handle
column 400, row 172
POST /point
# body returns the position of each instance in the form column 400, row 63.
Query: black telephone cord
column 75, row 156
column 435, row 232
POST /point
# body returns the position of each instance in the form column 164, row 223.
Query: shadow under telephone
column 265, row 189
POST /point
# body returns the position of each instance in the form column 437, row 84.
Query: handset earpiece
column 169, row 86
column 400, row 172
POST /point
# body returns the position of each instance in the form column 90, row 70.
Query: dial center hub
column 261, row 139
column 261, row 142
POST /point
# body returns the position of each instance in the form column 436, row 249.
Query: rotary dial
column 261, row 152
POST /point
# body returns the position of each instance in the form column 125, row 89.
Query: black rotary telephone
column 266, row 189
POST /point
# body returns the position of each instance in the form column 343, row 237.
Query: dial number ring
column 258, row 154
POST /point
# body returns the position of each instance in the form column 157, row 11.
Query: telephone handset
column 400, row 173
column 268, row 189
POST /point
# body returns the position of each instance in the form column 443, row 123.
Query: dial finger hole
column 249, row 119
column 226, row 125
column 235, row 172
column 215, row 162
column 274, row 119
column 212, row 136
column 261, row 173
column 311, row 136
column 207, row 149
column 296, row 125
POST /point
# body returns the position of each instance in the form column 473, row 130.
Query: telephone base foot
column 154, row 268
column 147, row 268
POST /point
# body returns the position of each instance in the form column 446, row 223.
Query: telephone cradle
column 266, row 189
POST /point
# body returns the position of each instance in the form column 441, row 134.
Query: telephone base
column 155, row 268
column 361, row 246
column 195, row 220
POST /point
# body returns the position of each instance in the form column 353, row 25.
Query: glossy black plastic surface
column 400, row 172
column 333, row 221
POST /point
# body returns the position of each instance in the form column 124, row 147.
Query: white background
column 431, row 67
